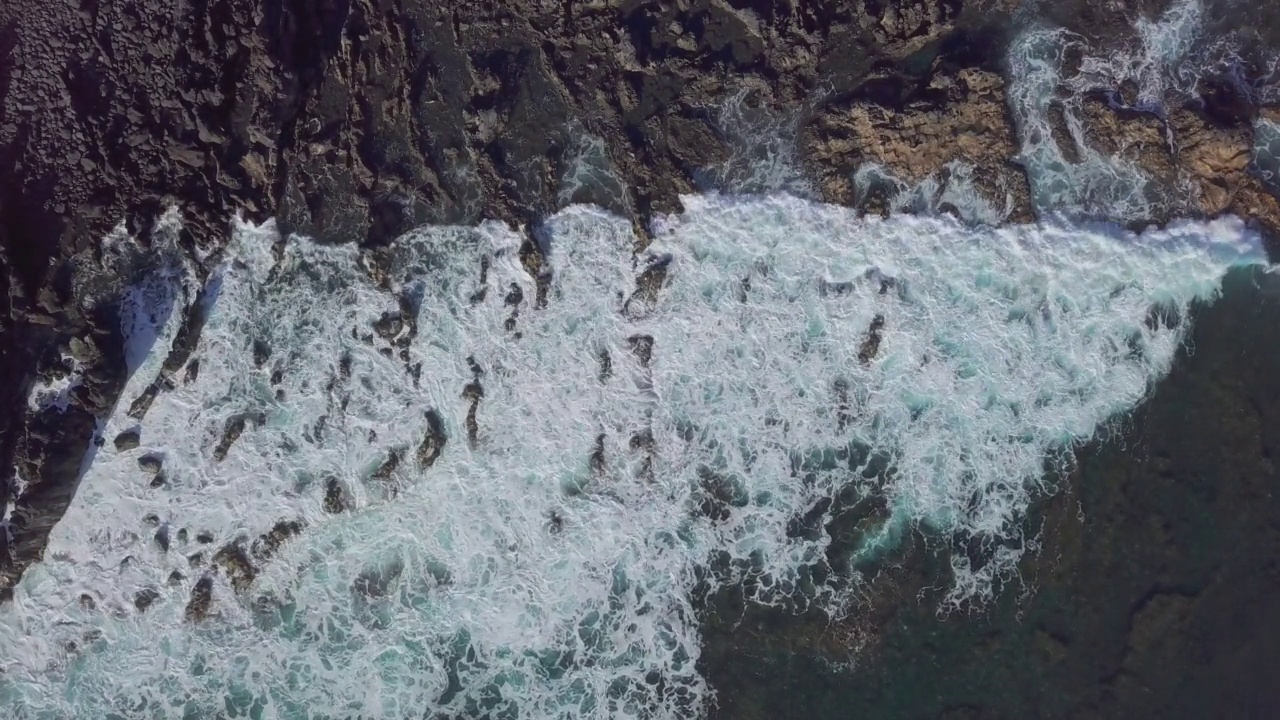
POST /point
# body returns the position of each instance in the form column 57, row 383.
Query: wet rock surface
column 359, row 119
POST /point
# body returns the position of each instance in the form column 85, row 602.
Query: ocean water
column 544, row 559
column 1266, row 152
column 441, row 481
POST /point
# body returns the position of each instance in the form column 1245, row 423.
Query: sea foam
column 611, row 433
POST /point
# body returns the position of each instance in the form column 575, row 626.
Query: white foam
column 1165, row 62
column 586, row 166
column 1266, row 151
column 1163, row 65
column 999, row 348
column 1090, row 184
column 763, row 156
column 55, row 391
column 955, row 191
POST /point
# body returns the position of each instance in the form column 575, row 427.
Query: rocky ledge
column 355, row 120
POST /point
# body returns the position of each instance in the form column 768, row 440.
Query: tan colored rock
column 972, row 126
column 1200, row 168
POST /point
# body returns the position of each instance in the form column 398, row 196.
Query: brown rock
column 128, row 440
column 201, row 598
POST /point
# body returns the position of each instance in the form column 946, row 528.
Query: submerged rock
column 336, row 497
column 267, row 545
column 234, row 560
column 201, row 598
column 376, row 582
column 162, row 537
column 145, row 598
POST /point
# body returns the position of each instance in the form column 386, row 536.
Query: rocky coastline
column 360, row 119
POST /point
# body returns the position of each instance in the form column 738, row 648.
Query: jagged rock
column 235, row 562
column 642, row 347
column 201, row 597
column 389, row 465
column 433, row 441
column 231, row 432
column 648, row 284
column 355, row 121
column 967, row 120
column 267, row 545
column 871, row 345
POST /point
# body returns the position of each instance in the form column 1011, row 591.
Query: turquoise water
column 546, row 562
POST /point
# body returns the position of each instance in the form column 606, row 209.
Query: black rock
column 145, row 598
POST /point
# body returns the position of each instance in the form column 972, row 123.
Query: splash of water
column 1266, row 152
column 954, row 192
column 441, row 484
column 1077, row 179
column 1051, row 73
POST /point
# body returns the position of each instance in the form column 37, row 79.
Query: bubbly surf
column 575, row 455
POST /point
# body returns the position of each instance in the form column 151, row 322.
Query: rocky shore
column 355, row 120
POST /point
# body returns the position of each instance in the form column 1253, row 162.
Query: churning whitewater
column 426, row 481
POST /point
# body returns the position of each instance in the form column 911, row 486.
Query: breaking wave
column 458, row 478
